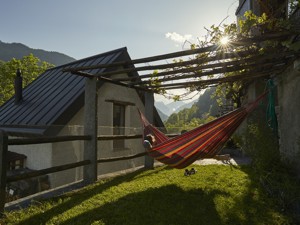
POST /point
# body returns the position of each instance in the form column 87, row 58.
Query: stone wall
column 289, row 114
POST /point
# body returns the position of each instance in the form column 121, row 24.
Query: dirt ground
column 237, row 157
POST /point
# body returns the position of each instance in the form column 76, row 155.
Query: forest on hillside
column 201, row 112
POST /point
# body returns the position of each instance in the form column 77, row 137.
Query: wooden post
column 149, row 111
column 3, row 169
column 90, row 128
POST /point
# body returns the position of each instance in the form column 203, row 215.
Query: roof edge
column 123, row 49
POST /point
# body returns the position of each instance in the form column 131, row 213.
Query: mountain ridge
column 173, row 107
column 8, row 51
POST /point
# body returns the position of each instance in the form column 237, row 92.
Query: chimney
column 18, row 87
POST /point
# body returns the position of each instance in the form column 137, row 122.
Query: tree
column 200, row 113
column 30, row 67
column 229, row 52
column 250, row 25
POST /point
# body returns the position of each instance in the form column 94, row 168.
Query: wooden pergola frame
column 201, row 68
column 204, row 67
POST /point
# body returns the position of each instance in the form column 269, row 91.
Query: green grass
column 216, row 194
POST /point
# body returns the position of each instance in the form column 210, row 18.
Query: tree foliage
column 30, row 67
column 200, row 113
column 272, row 21
column 248, row 26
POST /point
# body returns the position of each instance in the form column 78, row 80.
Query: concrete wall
column 132, row 126
column 68, row 152
column 289, row 114
column 38, row 156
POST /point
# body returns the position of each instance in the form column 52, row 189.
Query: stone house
column 53, row 105
column 286, row 84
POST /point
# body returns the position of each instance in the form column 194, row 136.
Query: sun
column 224, row 40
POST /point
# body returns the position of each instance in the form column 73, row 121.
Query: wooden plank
column 42, row 140
column 41, row 172
column 218, row 80
column 90, row 129
column 181, row 69
column 114, row 159
column 147, row 59
column 149, row 113
column 258, row 67
column 105, row 79
column 239, row 43
column 118, row 137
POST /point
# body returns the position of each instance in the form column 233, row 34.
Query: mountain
column 163, row 116
column 187, row 105
column 162, row 107
column 206, row 104
column 173, row 107
column 18, row 50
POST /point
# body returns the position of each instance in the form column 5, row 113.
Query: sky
column 81, row 29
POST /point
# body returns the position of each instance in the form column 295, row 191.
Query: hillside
column 173, row 107
column 17, row 50
column 163, row 116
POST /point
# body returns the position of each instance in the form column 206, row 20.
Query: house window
column 17, row 164
column 118, row 125
column 15, row 160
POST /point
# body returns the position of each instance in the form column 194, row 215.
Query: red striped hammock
column 202, row 142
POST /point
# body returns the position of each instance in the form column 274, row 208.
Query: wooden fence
column 4, row 142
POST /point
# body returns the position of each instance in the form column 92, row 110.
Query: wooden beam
column 249, row 61
column 149, row 113
column 196, row 61
column 216, row 80
column 89, row 75
column 237, row 43
column 41, row 140
column 195, row 75
column 147, row 59
column 90, row 129
column 118, row 137
column 41, row 172
column 127, row 85
column 114, row 159
column 82, row 74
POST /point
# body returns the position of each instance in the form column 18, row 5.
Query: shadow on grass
column 170, row 204
column 165, row 205
column 272, row 212
column 83, row 195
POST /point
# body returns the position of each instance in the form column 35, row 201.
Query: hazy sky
column 84, row 28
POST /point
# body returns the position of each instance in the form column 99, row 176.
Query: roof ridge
column 122, row 49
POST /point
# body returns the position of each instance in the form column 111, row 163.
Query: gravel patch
column 233, row 161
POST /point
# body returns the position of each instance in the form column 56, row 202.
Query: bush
column 276, row 177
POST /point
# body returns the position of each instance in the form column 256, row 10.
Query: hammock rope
column 202, row 142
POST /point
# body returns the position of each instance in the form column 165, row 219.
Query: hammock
column 202, row 142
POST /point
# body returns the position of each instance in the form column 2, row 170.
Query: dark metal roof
column 55, row 96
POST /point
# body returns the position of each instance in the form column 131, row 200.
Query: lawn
column 216, row 194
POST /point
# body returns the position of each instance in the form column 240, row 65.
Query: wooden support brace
column 90, row 129
column 149, row 113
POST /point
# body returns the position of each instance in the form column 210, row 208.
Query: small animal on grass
column 224, row 158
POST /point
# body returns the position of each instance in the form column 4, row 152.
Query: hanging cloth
column 202, row 142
